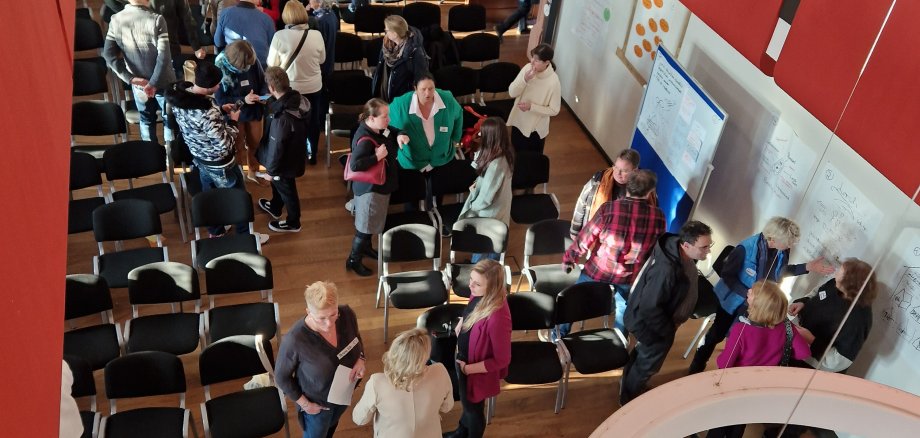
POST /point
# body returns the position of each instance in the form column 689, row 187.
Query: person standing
column 483, row 346
column 210, row 136
column 327, row 23
column 432, row 119
column 620, row 236
column 282, row 151
column 137, row 50
column 519, row 16
column 374, row 141
column 605, row 185
column 405, row 400
column 763, row 256
column 311, row 352
column 537, row 97
column 662, row 299
column 242, row 84
column 245, row 22
column 402, row 59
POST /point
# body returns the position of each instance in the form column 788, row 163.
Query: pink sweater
column 490, row 341
column 750, row 345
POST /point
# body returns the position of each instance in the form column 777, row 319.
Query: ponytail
column 371, row 109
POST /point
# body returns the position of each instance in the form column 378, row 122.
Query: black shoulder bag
column 296, row 51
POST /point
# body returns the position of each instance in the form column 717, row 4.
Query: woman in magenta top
column 483, row 346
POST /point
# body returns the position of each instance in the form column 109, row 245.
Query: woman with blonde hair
column 483, row 346
column 406, row 398
column 311, row 352
column 822, row 311
column 402, row 59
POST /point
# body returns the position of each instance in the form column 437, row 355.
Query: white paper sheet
column 342, row 387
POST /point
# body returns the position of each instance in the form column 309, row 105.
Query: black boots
column 369, row 250
column 354, row 259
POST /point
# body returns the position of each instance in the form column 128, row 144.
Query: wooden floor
column 319, row 251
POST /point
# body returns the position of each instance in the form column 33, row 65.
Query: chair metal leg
column 699, row 334
column 386, row 316
column 565, row 388
column 558, row 397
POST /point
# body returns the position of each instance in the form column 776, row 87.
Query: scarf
column 228, row 69
column 393, row 51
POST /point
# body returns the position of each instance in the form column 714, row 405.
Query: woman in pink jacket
column 483, row 346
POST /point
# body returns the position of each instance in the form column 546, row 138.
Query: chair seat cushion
column 499, row 108
column 80, row 214
column 460, row 278
column 146, row 423
column 191, row 181
column 242, row 319
column 250, row 413
column 416, row 289
column 161, row 195
column 394, row 220
column 533, row 208
column 209, row 249
column 533, row 362
column 175, row 333
column 596, row 351
column 552, row 279
column 97, row 344
column 115, row 266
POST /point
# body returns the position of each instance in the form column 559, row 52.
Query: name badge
column 348, row 348
column 750, row 272
column 386, row 132
column 244, row 83
column 822, row 295
column 443, row 129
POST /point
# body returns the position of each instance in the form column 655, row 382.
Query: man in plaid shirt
column 620, row 236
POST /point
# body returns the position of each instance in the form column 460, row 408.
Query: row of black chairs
column 460, row 18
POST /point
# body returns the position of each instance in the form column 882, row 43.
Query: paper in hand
column 342, row 387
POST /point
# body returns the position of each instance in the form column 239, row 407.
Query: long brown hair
column 855, row 273
column 495, row 142
column 494, row 296
column 607, row 184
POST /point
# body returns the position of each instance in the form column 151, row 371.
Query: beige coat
column 545, row 96
column 406, row 414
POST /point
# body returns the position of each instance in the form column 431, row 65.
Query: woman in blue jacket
column 243, row 82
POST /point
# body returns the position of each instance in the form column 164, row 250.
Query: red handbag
column 376, row 174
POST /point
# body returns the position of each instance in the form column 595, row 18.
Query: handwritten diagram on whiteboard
column 900, row 314
column 784, row 170
column 837, row 217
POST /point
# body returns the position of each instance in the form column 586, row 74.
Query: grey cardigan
column 491, row 196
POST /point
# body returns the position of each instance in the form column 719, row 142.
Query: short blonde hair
column 405, row 362
column 241, row 54
column 768, row 304
column 396, row 24
column 294, row 13
column 321, row 295
column 782, row 230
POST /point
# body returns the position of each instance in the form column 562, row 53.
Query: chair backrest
column 84, row 385
column 349, row 87
column 84, row 171
column 234, row 357
column 89, row 78
column 466, row 18
column 179, row 153
column 125, row 219
column 440, row 320
column 422, row 15
column 719, row 262
column 221, row 206
column 479, row 235
column 531, row 311
column 479, row 47
column 530, row 170
column 706, row 300
column 144, row 374
column 459, row 80
column 497, row 76
column 86, row 294
column 409, row 243
column 133, row 159
column 452, row 178
column 162, row 282
column 550, row 236
column 413, row 187
column 583, row 301
column 96, row 117
column 369, row 19
column 348, row 47
column 87, row 35
column 372, row 51
column 238, row 272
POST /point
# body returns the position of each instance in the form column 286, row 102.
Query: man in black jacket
column 282, row 151
column 663, row 297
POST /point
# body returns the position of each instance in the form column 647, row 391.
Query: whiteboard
column 784, row 170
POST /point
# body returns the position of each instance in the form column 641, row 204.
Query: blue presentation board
column 677, row 130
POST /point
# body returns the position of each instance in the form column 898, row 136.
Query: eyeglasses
column 620, row 171
column 706, row 247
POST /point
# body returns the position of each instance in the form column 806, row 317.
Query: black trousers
column 317, row 121
column 645, row 360
column 522, row 142
column 284, row 193
column 473, row 419
column 716, row 334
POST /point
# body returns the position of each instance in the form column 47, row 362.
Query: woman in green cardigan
column 432, row 119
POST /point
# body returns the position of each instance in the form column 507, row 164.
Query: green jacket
column 448, row 127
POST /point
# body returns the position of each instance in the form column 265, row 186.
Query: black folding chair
column 164, row 283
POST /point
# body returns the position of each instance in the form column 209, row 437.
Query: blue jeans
column 323, row 424
column 617, row 307
column 147, row 108
column 476, row 257
column 218, row 178
column 519, row 16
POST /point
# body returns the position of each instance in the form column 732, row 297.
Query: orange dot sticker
column 652, row 25
column 640, row 29
column 657, row 40
column 647, row 4
column 664, row 25
column 637, row 50
column 659, row 3
column 647, row 45
column 653, row 55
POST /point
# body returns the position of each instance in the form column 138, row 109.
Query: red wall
column 35, row 116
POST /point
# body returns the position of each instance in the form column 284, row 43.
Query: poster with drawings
column 899, row 315
column 593, row 26
column 836, row 218
column 654, row 22
column 783, row 171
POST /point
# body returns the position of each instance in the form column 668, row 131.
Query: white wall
column 609, row 97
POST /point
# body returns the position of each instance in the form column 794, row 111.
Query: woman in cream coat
column 538, row 96
column 406, row 399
